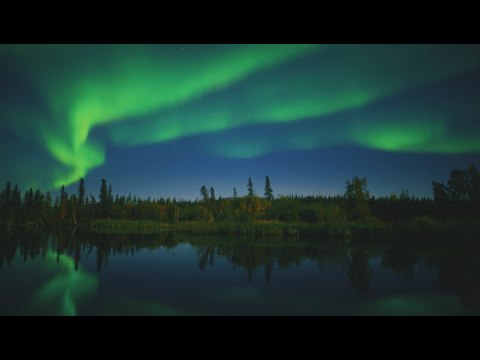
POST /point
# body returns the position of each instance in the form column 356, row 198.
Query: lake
column 166, row 274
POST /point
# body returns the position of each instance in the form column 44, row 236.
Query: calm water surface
column 72, row 274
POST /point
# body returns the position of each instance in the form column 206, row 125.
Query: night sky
column 162, row 120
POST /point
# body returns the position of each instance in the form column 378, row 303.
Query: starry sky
column 162, row 120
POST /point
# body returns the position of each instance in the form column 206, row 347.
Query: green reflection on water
column 434, row 304
column 420, row 276
column 62, row 293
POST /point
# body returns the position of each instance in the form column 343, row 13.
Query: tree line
column 459, row 197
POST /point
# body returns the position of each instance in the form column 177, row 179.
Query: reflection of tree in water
column 249, row 254
column 243, row 254
column 8, row 248
column 401, row 258
column 77, row 255
column 206, row 256
column 268, row 272
column 457, row 262
column 358, row 269
column 460, row 271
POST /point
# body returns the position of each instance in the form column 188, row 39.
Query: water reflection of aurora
column 212, row 276
column 62, row 293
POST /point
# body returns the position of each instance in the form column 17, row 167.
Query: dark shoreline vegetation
column 453, row 212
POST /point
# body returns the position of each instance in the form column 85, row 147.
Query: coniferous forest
column 455, row 204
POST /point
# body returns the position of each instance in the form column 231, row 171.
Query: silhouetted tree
column 38, row 206
column 110, row 195
column 463, row 185
column 268, row 189
column 440, row 191
column 48, row 205
column 6, row 208
column 63, row 203
column 357, row 197
column 73, row 208
column 204, row 193
column 8, row 196
column 474, row 183
column 104, row 197
column 251, row 192
column 212, row 194
column 81, row 192
column 358, row 270
column 404, row 201
column 16, row 203
column 29, row 204
column 268, row 272
column 458, row 185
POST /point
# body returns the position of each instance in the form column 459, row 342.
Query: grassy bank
column 421, row 227
column 263, row 228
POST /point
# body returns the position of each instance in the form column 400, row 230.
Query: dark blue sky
column 160, row 120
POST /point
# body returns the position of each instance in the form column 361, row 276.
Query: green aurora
column 90, row 96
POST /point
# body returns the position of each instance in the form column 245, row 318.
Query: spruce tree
column 81, row 192
column 250, row 187
column 204, row 193
column 103, row 197
column 268, row 189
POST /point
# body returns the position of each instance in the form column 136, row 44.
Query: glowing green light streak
column 140, row 83
column 338, row 85
column 136, row 94
column 66, row 288
column 401, row 135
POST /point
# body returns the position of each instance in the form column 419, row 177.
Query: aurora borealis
column 161, row 120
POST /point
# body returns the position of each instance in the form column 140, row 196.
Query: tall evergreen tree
column 38, row 206
column 73, row 208
column 16, row 203
column 235, row 193
column 110, row 200
column 8, row 196
column 63, row 193
column 251, row 192
column 212, row 194
column 81, row 192
column 48, row 204
column 104, row 197
column 7, row 201
column 63, row 203
column 29, row 203
column 268, row 189
column 204, row 193
column 103, row 192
